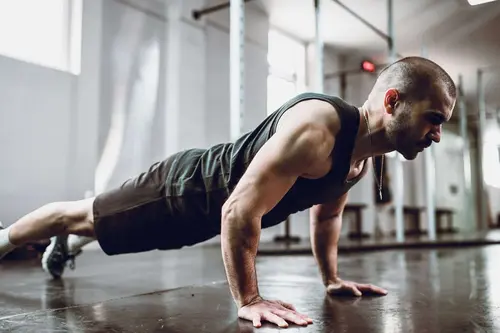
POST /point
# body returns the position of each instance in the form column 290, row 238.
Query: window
column 287, row 69
column 491, row 164
column 491, row 156
column 46, row 33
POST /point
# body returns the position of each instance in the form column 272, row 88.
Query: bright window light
column 491, row 165
column 478, row 2
column 41, row 32
column 491, row 156
column 287, row 69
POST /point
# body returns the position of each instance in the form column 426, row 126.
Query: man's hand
column 340, row 287
column 276, row 312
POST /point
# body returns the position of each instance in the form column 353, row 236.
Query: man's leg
column 134, row 217
column 75, row 243
column 53, row 219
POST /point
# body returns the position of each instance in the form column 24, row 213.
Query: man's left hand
column 340, row 287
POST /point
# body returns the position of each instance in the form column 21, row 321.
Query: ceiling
column 458, row 36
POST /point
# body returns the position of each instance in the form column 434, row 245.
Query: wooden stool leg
column 359, row 227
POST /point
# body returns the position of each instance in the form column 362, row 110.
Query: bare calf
column 54, row 219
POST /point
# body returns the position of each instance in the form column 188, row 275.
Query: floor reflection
column 429, row 291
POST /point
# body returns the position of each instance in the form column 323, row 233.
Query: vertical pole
column 398, row 164
column 464, row 133
column 430, row 191
column 319, row 86
column 482, row 123
column 237, row 68
column 343, row 85
column 430, row 182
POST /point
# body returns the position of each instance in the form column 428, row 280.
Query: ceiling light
column 478, row 2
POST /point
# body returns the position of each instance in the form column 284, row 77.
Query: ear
column 391, row 99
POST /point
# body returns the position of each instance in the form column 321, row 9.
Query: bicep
column 275, row 168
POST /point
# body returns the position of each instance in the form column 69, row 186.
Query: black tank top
column 200, row 180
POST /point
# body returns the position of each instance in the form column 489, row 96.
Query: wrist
column 248, row 300
column 332, row 280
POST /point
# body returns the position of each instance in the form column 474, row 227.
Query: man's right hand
column 276, row 312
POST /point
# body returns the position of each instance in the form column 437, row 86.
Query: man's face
column 415, row 126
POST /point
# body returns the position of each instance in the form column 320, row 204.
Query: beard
column 400, row 135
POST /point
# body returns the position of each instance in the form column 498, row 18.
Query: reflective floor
column 303, row 246
column 445, row 290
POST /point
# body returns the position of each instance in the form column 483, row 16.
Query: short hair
column 415, row 78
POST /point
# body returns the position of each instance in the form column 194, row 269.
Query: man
column 307, row 154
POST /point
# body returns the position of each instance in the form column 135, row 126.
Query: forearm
column 324, row 241
column 239, row 243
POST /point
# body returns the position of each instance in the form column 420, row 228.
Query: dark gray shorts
column 138, row 217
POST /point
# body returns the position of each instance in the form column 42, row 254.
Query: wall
column 217, row 73
column 35, row 119
column 47, row 127
column 154, row 70
column 185, row 78
column 84, row 130
column 132, row 80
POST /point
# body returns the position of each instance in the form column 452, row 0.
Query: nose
column 435, row 134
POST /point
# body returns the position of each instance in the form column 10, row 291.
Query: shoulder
column 318, row 119
column 319, row 109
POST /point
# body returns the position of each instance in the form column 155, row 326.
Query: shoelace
column 71, row 259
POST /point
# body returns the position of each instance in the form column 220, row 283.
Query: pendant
column 380, row 193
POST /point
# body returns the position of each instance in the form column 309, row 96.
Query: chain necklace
column 378, row 181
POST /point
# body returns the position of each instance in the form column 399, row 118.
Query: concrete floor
column 441, row 290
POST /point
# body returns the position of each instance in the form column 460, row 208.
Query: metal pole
column 464, row 133
column 482, row 124
column 430, row 191
column 430, row 183
column 237, row 68
column 343, row 86
column 379, row 32
column 398, row 164
column 320, row 72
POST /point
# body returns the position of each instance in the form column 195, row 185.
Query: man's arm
column 326, row 223
column 296, row 149
column 325, row 226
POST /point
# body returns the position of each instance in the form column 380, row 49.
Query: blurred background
column 94, row 91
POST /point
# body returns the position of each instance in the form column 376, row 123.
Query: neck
column 372, row 140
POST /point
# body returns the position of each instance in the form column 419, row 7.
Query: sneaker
column 56, row 256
